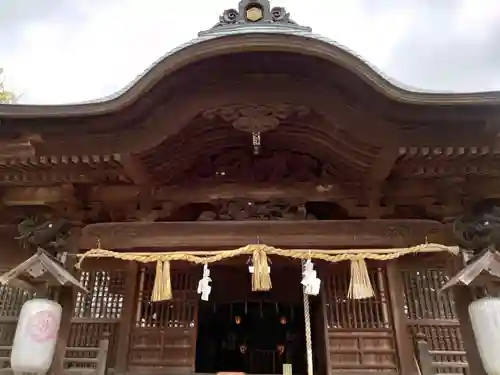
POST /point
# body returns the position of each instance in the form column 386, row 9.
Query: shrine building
column 258, row 132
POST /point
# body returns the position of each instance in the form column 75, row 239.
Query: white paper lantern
column 485, row 319
column 36, row 337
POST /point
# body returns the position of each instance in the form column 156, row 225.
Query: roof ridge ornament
column 254, row 13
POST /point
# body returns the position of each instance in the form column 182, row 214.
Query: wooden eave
column 54, row 169
column 479, row 105
column 411, row 162
column 484, row 269
column 53, row 144
column 448, row 161
column 52, row 273
column 140, row 124
column 142, row 136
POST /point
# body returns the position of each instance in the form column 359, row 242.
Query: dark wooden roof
column 275, row 32
column 39, row 269
column 345, row 130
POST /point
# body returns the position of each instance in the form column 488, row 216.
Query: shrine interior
column 254, row 332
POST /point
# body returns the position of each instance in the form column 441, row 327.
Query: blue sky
column 63, row 51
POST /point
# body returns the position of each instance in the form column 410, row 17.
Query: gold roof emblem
column 254, row 14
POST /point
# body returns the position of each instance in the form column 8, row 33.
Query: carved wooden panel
column 164, row 333
column 360, row 332
column 244, row 209
column 434, row 315
column 275, row 166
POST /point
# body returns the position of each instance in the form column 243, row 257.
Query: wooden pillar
column 404, row 345
column 463, row 297
column 127, row 318
column 66, row 299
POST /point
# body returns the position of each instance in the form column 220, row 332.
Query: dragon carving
column 479, row 228
column 242, row 210
column 478, row 235
column 50, row 235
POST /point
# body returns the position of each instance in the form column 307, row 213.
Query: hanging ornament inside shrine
column 485, row 320
column 204, row 287
column 251, row 268
column 310, row 279
column 260, row 270
column 256, row 142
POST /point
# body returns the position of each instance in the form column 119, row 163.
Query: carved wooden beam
column 135, row 170
column 352, row 198
column 207, row 193
column 38, row 196
column 383, row 165
column 22, row 147
column 287, row 234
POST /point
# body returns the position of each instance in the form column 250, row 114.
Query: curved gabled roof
column 233, row 35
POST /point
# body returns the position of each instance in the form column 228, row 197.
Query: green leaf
column 6, row 97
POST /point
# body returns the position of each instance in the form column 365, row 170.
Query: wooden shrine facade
column 258, row 130
column 352, row 336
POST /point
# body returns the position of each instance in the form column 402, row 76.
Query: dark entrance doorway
column 252, row 332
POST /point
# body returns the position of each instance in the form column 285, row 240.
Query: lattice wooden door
column 164, row 333
column 434, row 315
column 360, row 332
column 11, row 301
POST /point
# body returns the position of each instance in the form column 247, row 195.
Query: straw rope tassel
column 261, row 279
column 162, row 289
column 360, row 286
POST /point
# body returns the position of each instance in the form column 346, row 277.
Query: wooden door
column 360, row 332
column 164, row 333
column 433, row 314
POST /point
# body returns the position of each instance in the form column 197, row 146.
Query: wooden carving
column 479, row 228
column 50, row 235
column 242, row 210
column 255, row 117
column 273, row 167
column 22, row 147
column 478, row 235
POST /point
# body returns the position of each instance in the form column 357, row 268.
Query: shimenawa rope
column 360, row 284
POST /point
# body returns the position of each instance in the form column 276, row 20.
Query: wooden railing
column 423, row 355
column 96, row 365
column 426, row 358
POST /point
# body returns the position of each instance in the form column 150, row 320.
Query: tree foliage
column 6, row 96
